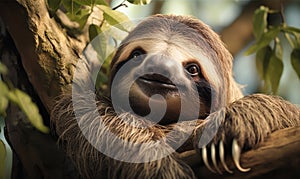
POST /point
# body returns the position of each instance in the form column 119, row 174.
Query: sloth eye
column 136, row 53
column 193, row 69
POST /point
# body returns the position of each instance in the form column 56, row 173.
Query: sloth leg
column 241, row 126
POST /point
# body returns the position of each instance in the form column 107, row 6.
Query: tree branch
column 279, row 154
column 48, row 54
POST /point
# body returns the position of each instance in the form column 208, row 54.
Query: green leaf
column 274, row 72
column 278, row 48
column 295, row 60
column 54, row 4
column 3, row 69
column 84, row 2
column 83, row 20
column 2, row 159
column 100, row 2
column 139, row 2
column 262, row 60
column 94, row 30
column 103, row 76
column 98, row 40
column 25, row 103
column 265, row 40
column 291, row 29
column 116, row 18
column 71, row 6
column 260, row 21
column 295, row 32
column 3, row 98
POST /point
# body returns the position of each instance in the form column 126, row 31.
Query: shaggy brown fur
column 248, row 119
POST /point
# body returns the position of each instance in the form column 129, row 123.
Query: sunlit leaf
column 98, row 40
column 54, row 4
column 295, row 32
column 265, row 40
column 71, row 6
column 291, row 29
column 274, row 72
column 29, row 108
column 3, row 69
column 295, row 60
column 2, row 159
column 262, row 60
column 139, row 2
column 260, row 21
column 84, row 2
column 100, row 2
column 278, row 49
column 83, row 20
column 116, row 18
column 3, row 98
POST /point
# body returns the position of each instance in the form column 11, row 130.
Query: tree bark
column 48, row 53
column 41, row 65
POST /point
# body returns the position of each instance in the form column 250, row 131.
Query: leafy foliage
column 268, row 48
column 22, row 100
column 81, row 11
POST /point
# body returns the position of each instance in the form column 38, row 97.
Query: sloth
column 171, row 90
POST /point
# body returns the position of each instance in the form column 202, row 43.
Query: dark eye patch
column 193, row 69
column 136, row 54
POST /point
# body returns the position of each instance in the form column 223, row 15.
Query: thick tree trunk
column 36, row 155
column 48, row 54
column 41, row 65
column 42, row 62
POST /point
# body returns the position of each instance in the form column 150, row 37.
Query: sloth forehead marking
column 157, row 46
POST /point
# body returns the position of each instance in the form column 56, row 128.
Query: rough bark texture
column 47, row 54
column 41, row 65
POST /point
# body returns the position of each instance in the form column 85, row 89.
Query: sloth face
column 162, row 70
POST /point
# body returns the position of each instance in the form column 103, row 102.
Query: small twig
column 289, row 39
column 282, row 14
column 120, row 5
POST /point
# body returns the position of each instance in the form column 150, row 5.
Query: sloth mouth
column 156, row 81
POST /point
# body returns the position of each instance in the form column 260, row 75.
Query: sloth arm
column 251, row 119
column 243, row 125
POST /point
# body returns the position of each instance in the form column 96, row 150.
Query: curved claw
column 236, row 153
column 213, row 158
column 204, row 157
column 221, row 153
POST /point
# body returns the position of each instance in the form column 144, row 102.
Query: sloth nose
column 158, row 64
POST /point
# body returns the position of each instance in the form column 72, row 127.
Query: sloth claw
column 236, row 153
column 204, row 157
column 221, row 154
column 213, row 158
